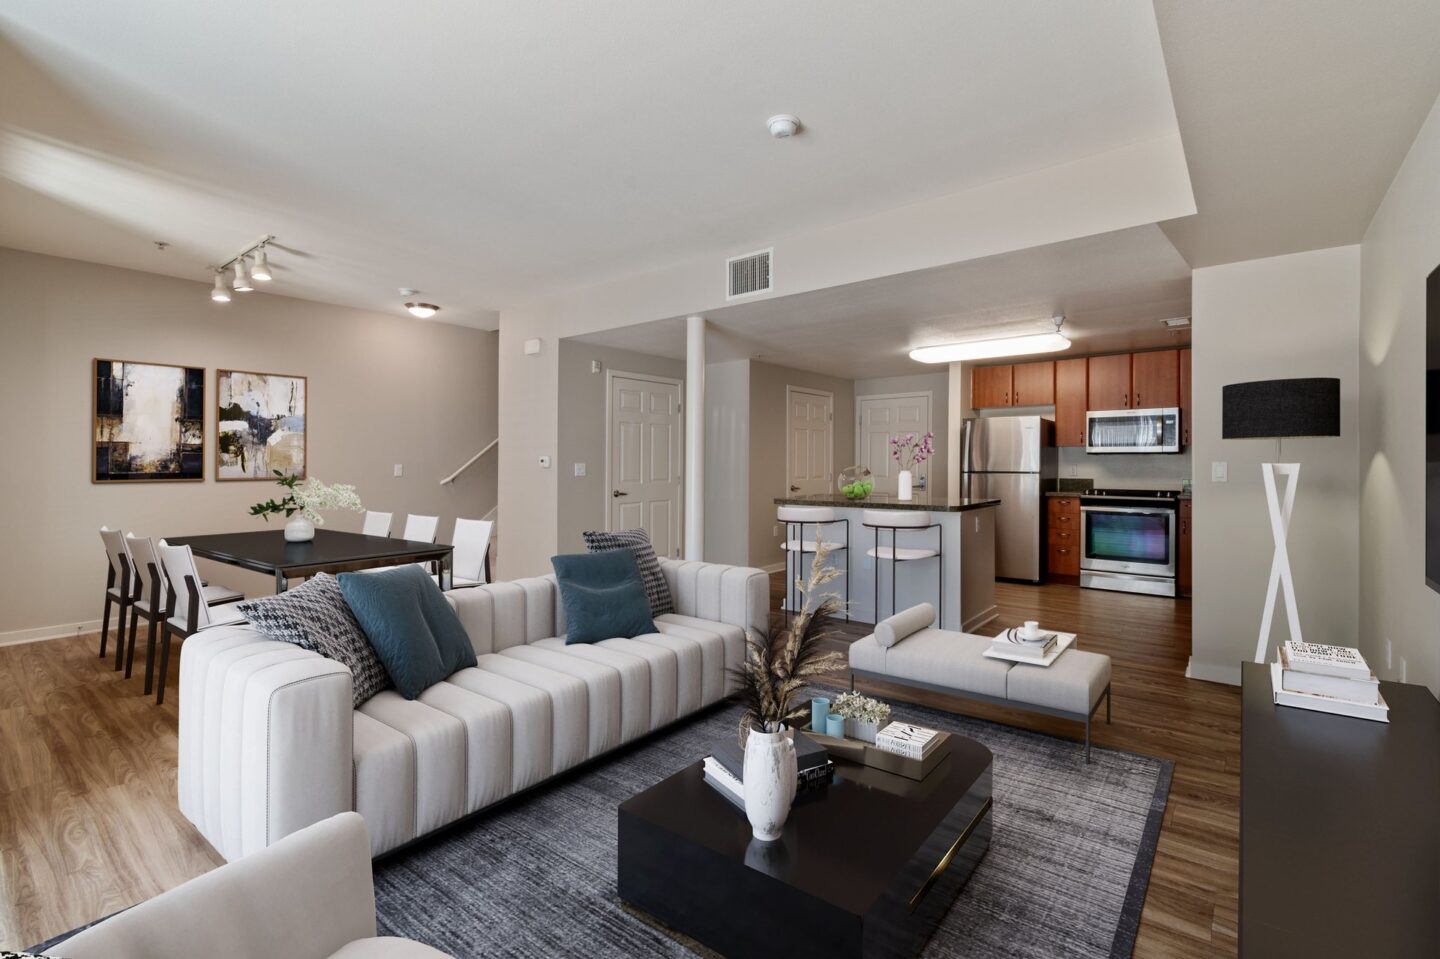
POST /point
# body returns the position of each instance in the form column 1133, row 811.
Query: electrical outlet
column 1388, row 651
column 1402, row 670
column 579, row 469
column 1219, row 472
column 399, row 469
column 775, row 531
column 544, row 462
column 1074, row 470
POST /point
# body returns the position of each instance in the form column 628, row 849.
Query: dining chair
column 376, row 524
column 121, row 588
column 421, row 529
column 470, row 563
column 152, row 600
column 186, row 612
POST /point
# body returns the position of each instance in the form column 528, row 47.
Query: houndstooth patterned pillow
column 316, row 617
column 657, row 591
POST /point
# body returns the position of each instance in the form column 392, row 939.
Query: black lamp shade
column 1271, row 408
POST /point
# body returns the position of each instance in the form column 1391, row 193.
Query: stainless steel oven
column 1133, row 431
column 1128, row 547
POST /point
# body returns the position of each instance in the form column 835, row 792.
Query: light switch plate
column 1219, row 472
column 579, row 469
column 544, row 462
column 399, row 469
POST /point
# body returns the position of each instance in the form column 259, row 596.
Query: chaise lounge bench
column 905, row 649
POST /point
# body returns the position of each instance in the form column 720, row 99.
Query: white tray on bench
column 1063, row 641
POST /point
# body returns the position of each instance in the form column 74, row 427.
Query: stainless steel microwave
column 1133, row 431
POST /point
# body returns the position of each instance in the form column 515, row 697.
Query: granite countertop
column 936, row 503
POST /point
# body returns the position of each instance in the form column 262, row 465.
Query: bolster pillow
column 890, row 631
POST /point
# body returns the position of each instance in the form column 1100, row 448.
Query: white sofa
column 269, row 741
column 311, row 896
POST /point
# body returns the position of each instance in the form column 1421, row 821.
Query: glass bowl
column 855, row 482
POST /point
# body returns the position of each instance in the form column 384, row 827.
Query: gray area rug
column 1065, row 874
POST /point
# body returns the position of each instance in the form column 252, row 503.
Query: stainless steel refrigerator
column 1011, row 458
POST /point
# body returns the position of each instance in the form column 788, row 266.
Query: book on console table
column 1343, row 662
column 732, row 787
column 1379, row 712
column 907, row 739
column 808, row 755
column 1364, row 691
column 1013, row 643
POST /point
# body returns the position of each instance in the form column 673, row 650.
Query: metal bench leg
column 1087, row 739
column 1107, row 705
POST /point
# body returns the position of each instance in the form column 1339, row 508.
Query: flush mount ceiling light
column 995, row 347
column 221, row 294
column 423, row 310
column 244, row 272
column 783, row 125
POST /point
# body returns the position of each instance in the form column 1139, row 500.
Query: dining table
column 331, row 551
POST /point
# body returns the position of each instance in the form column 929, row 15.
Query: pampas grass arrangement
column 775, row 670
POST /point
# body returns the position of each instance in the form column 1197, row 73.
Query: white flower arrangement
column 308, row 499
column 861, row 708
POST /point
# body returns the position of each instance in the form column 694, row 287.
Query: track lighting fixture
column 241, row 283
column 423, row 310
column 244, row 273
column 220, row 294
column 261, row 268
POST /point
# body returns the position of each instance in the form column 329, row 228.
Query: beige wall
column 727, row 462
column 1286, row 316
column 382, row 390
column 937, row 384
column 584, row 500
column 767, row 446
column 1139, row 184
column 1400, row 249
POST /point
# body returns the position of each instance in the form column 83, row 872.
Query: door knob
column 794, row 489
column 618, row 493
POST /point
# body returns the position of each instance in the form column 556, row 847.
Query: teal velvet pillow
column 415, row 633
column 603, row 596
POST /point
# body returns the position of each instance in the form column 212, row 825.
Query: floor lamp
column 1277, row 409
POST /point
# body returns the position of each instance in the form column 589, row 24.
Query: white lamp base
column 1280, row 564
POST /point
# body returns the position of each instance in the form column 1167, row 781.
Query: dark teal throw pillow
column 603, row 596
column 415, row 633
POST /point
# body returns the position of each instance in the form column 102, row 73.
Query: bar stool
column 896, row 520
column 796, row 518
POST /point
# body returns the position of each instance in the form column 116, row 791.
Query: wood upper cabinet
column 1182, row 549
column 1155, row 379
column 991, row 386
column 1185, row 403
column 1109, row 386
column 1033, row 384
column 1072, row 385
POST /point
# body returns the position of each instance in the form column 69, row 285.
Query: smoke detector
column 783, row 125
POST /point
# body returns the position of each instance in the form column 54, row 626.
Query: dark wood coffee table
column 867, row 868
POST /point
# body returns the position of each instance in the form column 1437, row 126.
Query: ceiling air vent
column 749, row 274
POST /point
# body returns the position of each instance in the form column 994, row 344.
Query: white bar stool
column 896, row 520
column 796, row 518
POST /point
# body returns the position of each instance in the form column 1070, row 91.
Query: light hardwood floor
column 88, row 822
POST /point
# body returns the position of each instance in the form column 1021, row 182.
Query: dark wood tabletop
column 331, row 551
column 1339, row 828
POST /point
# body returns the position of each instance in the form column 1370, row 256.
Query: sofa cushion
column 891, row 630
column 603, row 596
column 415, row 632
column 315, row 616
column 637, row 541
column 1072, row 684
column 938, row 658
column 388, row 947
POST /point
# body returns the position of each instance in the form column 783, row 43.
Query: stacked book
column 725, row 769
column 1330, row 679
column 1014, row 642
column 908, row 740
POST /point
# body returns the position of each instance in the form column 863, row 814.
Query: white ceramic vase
column 907, row 485
column 769, row 782
column 299, row 530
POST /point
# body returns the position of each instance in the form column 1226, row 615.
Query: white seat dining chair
column 376, row 524
column 121, row 587
column 186, row 611
column 421, row 529
column 470, row 563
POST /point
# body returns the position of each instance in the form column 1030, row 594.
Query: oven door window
column 1128, row 537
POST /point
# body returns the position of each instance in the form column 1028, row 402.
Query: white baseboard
column 1230, row 675
column 17, row 636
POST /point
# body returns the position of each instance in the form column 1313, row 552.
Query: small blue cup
column 835, row 726
column 819, row 709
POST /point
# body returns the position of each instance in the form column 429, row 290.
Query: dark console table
column 1339, row 828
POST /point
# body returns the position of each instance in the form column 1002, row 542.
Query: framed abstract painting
column 260, row 425
column 148, row 422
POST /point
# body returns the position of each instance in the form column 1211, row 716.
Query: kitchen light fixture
column 423, row 310
column 221, row 293
column 989, row 349
column 241, row 283
column 261, row 270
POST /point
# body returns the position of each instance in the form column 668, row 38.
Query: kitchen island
column 966, row 532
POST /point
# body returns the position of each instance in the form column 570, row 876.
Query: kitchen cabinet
column 1072, row 384
column 1185, row 403
column 1182, row 550
column 1109, row 382
column 1062, row 539
column 1155, row 379
column 1033, row 384
column 990, row 386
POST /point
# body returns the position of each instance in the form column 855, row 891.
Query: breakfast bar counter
column 961, row 581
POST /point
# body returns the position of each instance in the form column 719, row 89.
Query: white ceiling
column 1113, row 289
column 487, row 153
column 1295, row 115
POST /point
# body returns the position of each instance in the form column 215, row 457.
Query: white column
column 694, row 437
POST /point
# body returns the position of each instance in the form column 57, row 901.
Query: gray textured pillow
column 657, row 590
column 891, row 630
column 316, row 617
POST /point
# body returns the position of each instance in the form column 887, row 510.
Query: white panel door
column 882, row 418
column 809, row 433
column 644, row 459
